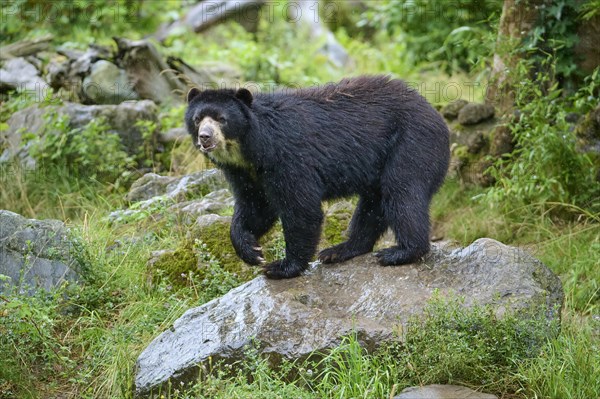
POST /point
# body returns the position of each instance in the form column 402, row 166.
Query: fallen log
column 148, row 73
column 206, row 14
column 24, row 48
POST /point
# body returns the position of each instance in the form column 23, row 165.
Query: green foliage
column 146, row 156
column 452, row 344
column 568, row 367
column 275, row 55
column 455, row 34
column 91, row 152
column 29, row 339
column 546, row 168
column 555, row 32
column 81, row 20
column 348, row 371
column 590, row 9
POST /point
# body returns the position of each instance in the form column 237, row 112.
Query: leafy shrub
column 455, row 33
column 90, row 152
column 453, row 344
column 82, row 19
column 449, row 343
column 28, row 340
column 546, row 167
column 555, row 32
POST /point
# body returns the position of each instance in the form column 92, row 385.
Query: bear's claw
column 399, row 256
column 283, row 268
column 339, row 253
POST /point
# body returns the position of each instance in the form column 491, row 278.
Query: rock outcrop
column 34, row 254
column 191, row 195
column 293, row 318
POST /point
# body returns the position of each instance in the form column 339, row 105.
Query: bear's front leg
column 250, row 222
column 301, row 221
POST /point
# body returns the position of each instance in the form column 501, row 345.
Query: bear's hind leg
column 408, row 217
column 405, row 202
column 366, row 226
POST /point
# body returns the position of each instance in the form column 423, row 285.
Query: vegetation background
column 82, row 341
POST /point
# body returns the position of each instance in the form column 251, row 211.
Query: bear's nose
column 205, row 133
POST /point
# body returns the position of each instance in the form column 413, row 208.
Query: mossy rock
column 213, row 231
column 471, row 168
column 174, row 265
column 337, row 220
column 589, row 128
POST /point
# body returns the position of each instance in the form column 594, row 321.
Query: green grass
column 94, row 335
column 82, row 341
column 568, row 366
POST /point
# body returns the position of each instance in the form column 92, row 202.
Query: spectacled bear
column 285, row 152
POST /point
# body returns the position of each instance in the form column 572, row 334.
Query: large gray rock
column 107, row 84
column 34, row 254
column 179, row 187
column 473, row 113
column 191, row 195
column 292, row 318
column 20, row 75
column 443, row 392
column 121, row 119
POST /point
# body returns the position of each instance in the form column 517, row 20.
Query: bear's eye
column 222, row 120
column 197, row 120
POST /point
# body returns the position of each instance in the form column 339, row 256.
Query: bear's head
column 216, row 120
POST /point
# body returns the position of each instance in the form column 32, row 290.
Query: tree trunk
column 517, row 20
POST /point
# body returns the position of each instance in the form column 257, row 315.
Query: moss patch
column 337, row 220
column 175, row 265
column 216, row 237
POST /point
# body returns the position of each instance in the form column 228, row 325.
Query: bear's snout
column 206, row 137
column 205, row 133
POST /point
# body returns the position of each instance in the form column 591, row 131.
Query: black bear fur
column 284, row 153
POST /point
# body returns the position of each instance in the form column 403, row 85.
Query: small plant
column 148, row 130
column 28, row 339
column 91, row 152
column 545, row 168
column 450, row 343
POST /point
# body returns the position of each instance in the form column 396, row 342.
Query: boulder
column 473, row 113
column 442, row 392
column 20, row 75
column 451, row 110
column 34, row 254
column 214, row 202
column 293, row 318
column 178, row 187
column 107, row 84
column 190, row 196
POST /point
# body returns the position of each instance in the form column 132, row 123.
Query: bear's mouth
column 207, row 148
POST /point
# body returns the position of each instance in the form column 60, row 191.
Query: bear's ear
column 192, row 94
column 244, row 96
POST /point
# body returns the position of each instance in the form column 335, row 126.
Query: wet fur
column 371, row 136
